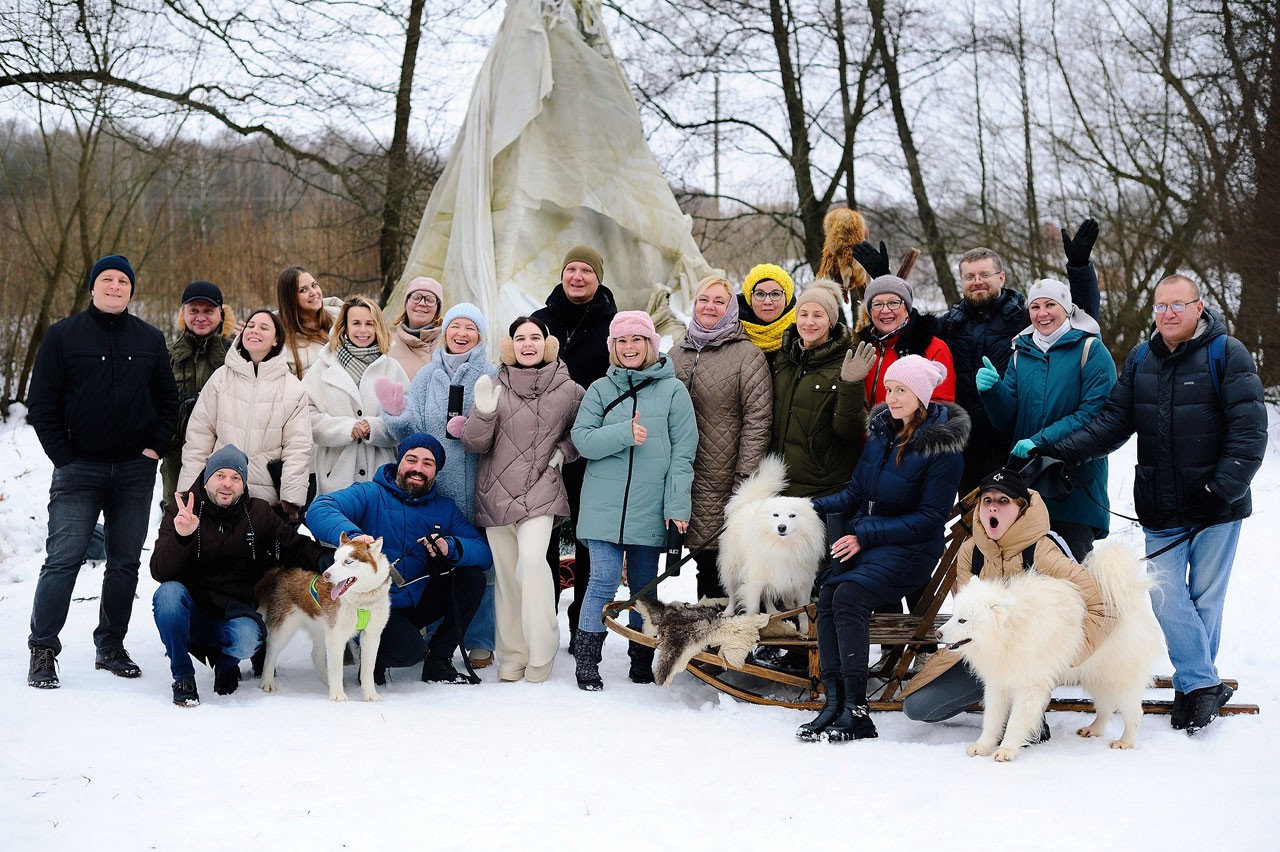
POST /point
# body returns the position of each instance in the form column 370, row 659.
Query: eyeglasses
column 1178, row 307
column 892, row 304
column 423, row 299
column 771, row 296
column 969, row 277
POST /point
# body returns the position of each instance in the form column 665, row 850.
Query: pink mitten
column 454, row 426
column 390, row 395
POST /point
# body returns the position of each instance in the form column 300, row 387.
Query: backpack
column 1217, row 359
column 1028, row 554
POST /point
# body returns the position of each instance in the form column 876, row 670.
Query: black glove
column 875, row 262
column 1079, row 247
column 324, row 560
column 1206, row 507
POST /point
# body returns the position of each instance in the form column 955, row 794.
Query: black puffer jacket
column 102, row 389
column 583, row 332
column 1190, row 434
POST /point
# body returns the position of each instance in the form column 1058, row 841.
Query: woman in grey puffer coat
column 728, row 379
column 519, row 428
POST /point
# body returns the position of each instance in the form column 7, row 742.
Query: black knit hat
column 1006, row 481
column 118, row 262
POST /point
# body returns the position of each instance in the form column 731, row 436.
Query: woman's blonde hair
column 650, row 356
column 381, row 333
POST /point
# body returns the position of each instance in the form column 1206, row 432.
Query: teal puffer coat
column 629, row 491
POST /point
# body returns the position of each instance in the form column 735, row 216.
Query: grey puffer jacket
column 515, row 443
column 732, row 392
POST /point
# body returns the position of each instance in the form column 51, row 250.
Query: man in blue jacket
column 1192, row 395
column 103, row 404
column 440, row 555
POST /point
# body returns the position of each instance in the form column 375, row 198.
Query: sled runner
column 772, row 678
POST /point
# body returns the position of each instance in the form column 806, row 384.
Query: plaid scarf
column 356, row 359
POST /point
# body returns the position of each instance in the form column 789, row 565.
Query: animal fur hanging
column 844, row 228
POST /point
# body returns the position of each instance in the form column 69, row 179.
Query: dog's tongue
column 339, row 588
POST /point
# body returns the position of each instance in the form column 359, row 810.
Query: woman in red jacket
column 897, row 330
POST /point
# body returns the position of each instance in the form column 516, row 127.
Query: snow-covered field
column 111, row 764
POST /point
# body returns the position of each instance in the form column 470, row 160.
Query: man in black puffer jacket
column 103, row 403
column 1192, row 395
column 578, row 313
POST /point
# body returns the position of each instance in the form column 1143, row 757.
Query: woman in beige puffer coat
column 729, row 381
column 519, row 427
column 255, row 402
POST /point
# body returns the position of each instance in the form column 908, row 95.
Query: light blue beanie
column 466, row 310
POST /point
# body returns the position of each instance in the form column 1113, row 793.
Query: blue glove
column 1024, row 448
column 987, row 377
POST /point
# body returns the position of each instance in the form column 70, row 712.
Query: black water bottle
column 455, row 405
column 675, row 546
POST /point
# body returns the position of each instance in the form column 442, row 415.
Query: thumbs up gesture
column 987, row 376
column 638, row 432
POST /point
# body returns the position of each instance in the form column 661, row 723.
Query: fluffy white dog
column 772, row 546
column 1022, row 634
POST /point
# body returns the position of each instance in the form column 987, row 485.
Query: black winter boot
column 117, row 661
column 573, row 641
column 588, row 651
column 833, row 695
column 1181, row 712
column 1203, row 706
column 184, row 692
column 226, row 679
column 854, row 723
column 43, row 671
column 641, row 662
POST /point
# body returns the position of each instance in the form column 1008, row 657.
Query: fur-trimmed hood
column 945, row 428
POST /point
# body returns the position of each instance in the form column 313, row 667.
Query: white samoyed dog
column 1022, row 634
column 772, row 546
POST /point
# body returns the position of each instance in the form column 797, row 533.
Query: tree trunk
column 390, row 234
column 928, row 219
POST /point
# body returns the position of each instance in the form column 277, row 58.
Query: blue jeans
column 182, row 623
column 79, row 492
column 1191, row 587
column 480, row 632
column 606, row 576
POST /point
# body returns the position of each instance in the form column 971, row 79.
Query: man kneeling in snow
column 215, row 544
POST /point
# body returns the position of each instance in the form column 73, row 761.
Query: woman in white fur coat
column 255, row 402
column 351, row 439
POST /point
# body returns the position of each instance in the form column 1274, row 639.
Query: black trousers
column 979, row 461
column 571, row 474
column 844, row 632
column 709, row 574
column 402, row 643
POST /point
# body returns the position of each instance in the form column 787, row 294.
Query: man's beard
column 981, row 297
column 416, row 488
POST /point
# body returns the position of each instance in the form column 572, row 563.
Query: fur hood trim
column 507, row 350
column 944, row 430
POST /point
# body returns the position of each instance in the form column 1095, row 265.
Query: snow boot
column 854, row 722
column 1181, row 712
column 587, row 671
column 43, row 671
column 226, row 679
column 117, row 661
column 641, row 662
column 1203, row 706
column 833, row 694
column 441, row 670
column 184, row 692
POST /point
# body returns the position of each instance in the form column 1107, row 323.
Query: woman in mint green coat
column 636, row 428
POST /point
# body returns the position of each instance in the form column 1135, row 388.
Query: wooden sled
column 772, row 684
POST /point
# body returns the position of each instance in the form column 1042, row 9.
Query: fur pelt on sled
column 683, row 630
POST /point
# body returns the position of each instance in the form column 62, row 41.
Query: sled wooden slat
column 900, row 636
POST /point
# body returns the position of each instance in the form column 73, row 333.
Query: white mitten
column 557, row 459
column 487, row 392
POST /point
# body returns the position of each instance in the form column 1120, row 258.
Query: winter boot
column 1203, row 706
column 441, row 670
column 43, row 671
column 226, row 679
column 588, row 652
column 833, row 694
column 854, row 723
column 573, row 641
column 1181, row 712
column 641, row 662
column 116, row 661
column 184, row 692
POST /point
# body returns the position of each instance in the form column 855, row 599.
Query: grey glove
column 858, row 362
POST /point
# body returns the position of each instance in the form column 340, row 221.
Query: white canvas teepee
column 551, row 154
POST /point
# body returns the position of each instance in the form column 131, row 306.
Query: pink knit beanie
column 426, row 285
column 920, row 375
column 633, row 322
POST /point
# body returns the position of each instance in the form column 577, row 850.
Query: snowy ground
column 111, row 764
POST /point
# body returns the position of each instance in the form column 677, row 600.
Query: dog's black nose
column 782, row 529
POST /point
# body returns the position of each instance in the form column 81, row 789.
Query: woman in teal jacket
column 636, row 428
column 1057, row 380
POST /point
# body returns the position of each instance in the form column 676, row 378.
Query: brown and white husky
column 353, row 595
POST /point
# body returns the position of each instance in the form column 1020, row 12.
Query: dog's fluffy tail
column 1119, row 576
column 769, row 480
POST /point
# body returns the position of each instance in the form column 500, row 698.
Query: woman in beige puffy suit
column 255, row 402
column 519, row 426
